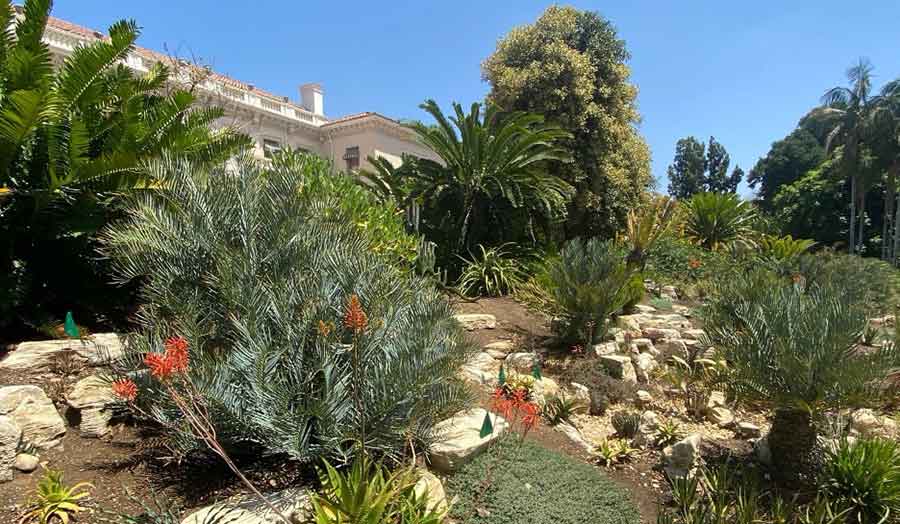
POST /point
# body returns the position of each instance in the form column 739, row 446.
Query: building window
column 270, row 147
column 351, row 156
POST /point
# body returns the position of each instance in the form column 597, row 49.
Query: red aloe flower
column 160, row 366
column 355, row 318
column 125, row 389
column 531, row 414
column 694, row 263
column 177, row 354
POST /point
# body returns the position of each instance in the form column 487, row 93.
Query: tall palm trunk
column 792, row 441
column 468, row 207
column 890, row 201
column 852, row 245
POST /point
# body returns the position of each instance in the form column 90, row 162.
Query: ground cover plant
column 536, row 485
column 256, row 278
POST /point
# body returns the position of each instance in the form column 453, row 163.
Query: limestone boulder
column 575, row 436
column 34, row 412
column 683, row 457
column 522, row 362
column 38, row 355
column 430, row 486
column 545, row 388
column 644, row 398
column 26, row 462
column 644, row 308
column 867, row 423
column 92, row 396
column 630, row 323
column 458, row 439
column 644, row 366
column 10, row 434
column 747, row 430
column 720, row 416
column 606, row 348
column 657, row 333
column 294, row 503
column 581, row 392
column 620, row 367
column 499, row 349
column 475, row 321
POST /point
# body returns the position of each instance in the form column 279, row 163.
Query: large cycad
column 717, row 220
column 488, row 156
column 796, row 349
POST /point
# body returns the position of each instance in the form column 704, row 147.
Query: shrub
column 588, row 282
column 528, row 484
column 864, row 478
column 518, row 382
column 870, row 283
column 493, row 274
column 675, row 260
column 255, row 272
column 626, row 423
column 794, row 347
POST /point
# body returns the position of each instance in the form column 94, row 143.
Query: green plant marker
column 487, row 428
column 536, row 370
column 501, row 378
column 69, row 327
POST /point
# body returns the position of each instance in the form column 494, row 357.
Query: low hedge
column 533, row 485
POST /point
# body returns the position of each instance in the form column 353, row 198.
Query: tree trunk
column 860, row 219
column 852, row 247
column 894, row 240
column 890, row 199
column 468, row 205
column 792, row 441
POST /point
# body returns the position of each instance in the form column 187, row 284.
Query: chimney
column 311, row 98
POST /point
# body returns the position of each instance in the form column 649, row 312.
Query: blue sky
column 744, row 72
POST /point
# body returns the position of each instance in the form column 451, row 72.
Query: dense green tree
column 491, row 162
column 701, row 168
column 70, row 137
column 815, row 206
column 883, row 136
column 570, row 66
column 686, row 173
column 717, row 161
column 785, row 163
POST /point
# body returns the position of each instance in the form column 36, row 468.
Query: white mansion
column 272, row 121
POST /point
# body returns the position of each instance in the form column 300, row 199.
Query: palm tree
column 852, row 105
column 487, row 156
column 883, row 135
column 717, row 220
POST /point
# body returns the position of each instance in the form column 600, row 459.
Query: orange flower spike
column 355, row 318
column 160, row 366
column 125, row 389
column 177, row 354
column 325, row 328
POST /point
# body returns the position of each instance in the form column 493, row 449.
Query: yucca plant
column 256, row 272
column 795, row 348
column 587, row 283
column 668, row 432
column 864, row 478
column 493, row 273
column 53, row 501
column 719, row 220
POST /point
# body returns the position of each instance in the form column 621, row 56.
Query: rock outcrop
column 459, row 439
column 31, row 410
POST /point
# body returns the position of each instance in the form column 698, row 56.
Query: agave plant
column 54, row 501
column 369, row 493
column 494, row 273
column 795, row 348
column 719, row 220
